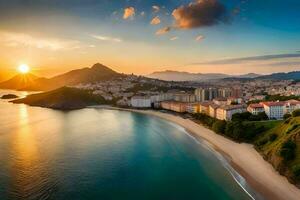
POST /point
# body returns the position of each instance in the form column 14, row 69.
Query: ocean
column 107, row 154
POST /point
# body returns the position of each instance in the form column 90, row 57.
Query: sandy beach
column 259, row 174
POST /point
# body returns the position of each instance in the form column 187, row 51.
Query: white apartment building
column 274, row 110
column 140, row 102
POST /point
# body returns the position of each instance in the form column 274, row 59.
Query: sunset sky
column 142, row 36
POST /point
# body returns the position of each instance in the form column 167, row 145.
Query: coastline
column 243, row 158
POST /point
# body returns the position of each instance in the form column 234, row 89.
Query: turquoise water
column 105, row 154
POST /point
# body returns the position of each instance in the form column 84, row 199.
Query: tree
column 263, row 116
column 219, row 126
column 286, row 116
column 241, row 116
column 287, row 151
column 296, row 113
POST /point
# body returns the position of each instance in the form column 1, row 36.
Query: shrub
column 262, row 142
column 292, row 128
column 296, row 171
column 287, row 151
column 286, row 116
column 219, row 126
column 296, row 113
column 241, row 116
column 273, row 137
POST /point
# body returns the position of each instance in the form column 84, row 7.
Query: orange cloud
column 163, row 30
column 200, row 13
column 129, row 13
column 155, row 21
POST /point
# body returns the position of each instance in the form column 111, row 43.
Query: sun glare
column 24, row 69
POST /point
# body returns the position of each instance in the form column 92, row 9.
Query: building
column 225, row 92
column 174, row 106
column 274, row 110
column 204, row 107
column 184, row 97
column 193, row 108
column 234, row 100
column 140, row 102
column 226, row 112
column 206, row 94
column 213, row 110
column 256, row 108
column 220, row 101
column 291, row 106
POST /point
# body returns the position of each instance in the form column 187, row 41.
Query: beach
column 259, row 174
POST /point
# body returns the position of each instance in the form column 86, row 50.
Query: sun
column 23, row 69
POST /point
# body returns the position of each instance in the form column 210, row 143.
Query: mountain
column 97, row 72
column 62, row 99
column 186, row 76
column 282, row 76
column 19, row 81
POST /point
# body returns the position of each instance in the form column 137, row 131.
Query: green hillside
column 281, row 147
column 64, row 98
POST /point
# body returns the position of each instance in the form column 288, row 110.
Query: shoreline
column 242, row 157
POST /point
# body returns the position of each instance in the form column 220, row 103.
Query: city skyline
column 233, row 37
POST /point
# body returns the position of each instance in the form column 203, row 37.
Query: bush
column 263, row 116
column 286, row 116
column 273, row 137
column 287, row 151
column 296, row 171
column 262, row 142
column 296, row 113
column 219, row 127
column 292, row 128
column 245, row 116
column 205, row 119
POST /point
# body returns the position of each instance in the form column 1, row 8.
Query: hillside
column 97, row 72
column 186, row 76
column 64, row 98
column 283, row 76
column 281, row 147
column 19, row 81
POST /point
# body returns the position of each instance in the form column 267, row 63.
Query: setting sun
column 24, row 69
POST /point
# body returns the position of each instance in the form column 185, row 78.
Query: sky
column 143, row 36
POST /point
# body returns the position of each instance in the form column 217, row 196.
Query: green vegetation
column 241, row 128
column 64, row 98
column 280, row 145
column 296, row 113
column 247, row 116
column 278, row 141
column 281, row 98
column 286, row 116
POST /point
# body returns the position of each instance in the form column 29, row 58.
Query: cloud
column 15, row 39
column 199, row 38
column 155, row 21
column 199, row 14
column 174, row 38
column 163, row 30
column 156, row 9
column 251, row 58
column 106, row 38
column 129, row 13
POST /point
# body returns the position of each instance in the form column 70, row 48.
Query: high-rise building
column 206, row 94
